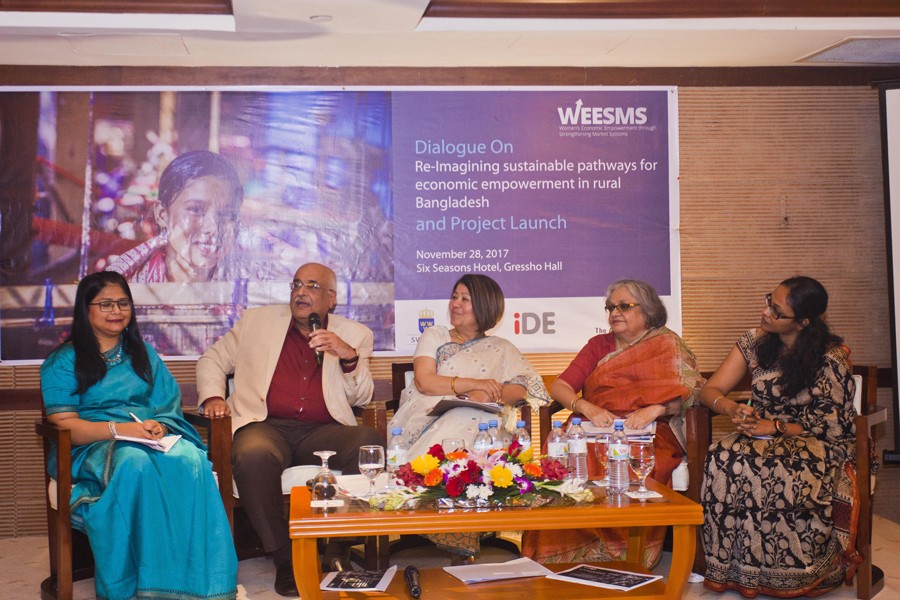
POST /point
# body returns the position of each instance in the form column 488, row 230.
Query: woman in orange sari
column 642, row 372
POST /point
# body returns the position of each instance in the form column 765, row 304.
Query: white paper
column 360, row 583
column 163, row 445
column 611, row 579
column 592, row 430
column 357, row 486
column 514, row 569
column 638, row 496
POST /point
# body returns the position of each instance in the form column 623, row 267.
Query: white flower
column 478, row 491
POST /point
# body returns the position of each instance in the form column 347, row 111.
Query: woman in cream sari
column 465, row 361
column 641, row 372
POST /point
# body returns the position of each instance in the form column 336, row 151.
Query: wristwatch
column 780, row 427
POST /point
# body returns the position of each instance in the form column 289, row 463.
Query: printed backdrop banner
column 553, row 192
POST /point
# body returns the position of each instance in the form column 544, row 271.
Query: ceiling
column 453, row 33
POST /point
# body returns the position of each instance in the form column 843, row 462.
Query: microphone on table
column 411, row 575
column 315, row 323
column 337, row 564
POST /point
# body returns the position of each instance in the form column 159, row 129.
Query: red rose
column 471, row 474
column 437, row 451
column 455, row 487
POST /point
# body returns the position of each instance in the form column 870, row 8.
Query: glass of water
column 642, row 461
column 371, row 464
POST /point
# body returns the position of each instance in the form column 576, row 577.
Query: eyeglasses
column 312, row 286
column 774, row 309
column 622, row 306
column 107, row 305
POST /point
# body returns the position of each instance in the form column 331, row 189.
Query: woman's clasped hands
column 486, row 390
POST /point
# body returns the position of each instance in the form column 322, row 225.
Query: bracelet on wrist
column 572, row 408
column 716, row 401
column 112, row 429
column 453, row 385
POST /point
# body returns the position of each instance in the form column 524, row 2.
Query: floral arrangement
column 462, row 478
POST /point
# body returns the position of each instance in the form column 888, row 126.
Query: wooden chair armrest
column 545, row 419
column 374, row 415
column 219, row 444
column 698, row 433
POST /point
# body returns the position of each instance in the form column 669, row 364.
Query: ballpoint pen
column 138, row 419
column 749, row 404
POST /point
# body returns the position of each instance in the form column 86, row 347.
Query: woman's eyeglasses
column 107, row 305
column 774, row 309
column 622, row 306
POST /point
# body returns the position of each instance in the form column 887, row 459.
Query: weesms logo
column 601, row 115
column 529, row 323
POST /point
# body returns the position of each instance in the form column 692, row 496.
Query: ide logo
column 527, row 323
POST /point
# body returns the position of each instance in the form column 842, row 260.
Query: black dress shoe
column 285, row 585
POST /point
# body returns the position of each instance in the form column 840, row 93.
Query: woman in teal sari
column 154, row 519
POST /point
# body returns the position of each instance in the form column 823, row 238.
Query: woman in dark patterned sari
column 769, row 488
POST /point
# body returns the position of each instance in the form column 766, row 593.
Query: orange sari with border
column 656, row 370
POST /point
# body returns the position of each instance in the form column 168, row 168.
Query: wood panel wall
column 775, row 181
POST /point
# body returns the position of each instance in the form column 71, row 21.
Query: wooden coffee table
column 355, row 520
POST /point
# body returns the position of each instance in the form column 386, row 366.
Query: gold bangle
column 453, row 385
column 572, row 408
column 716, row 401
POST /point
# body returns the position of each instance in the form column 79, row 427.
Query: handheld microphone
column 337, row 564
column 411, row 575
column 315, row 323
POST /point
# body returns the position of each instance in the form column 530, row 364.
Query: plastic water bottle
column 556, row 443
column 396, row 454
column 576, row 442
column 617, row 462
column 522, row 435
column 483, row 442
column 494, row 432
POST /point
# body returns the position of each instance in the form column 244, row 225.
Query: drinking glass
column 601, row 453
column 371, row 464
column 324, row 486
column 642, row 461
column 452, row 444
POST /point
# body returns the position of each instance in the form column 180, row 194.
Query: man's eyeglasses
column 774, row 309
column 312, row 286
column 622, row 306
column 107, row 305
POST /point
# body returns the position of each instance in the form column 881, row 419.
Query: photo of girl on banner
column 207, row 201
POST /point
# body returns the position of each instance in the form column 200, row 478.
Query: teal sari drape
column 155, row 522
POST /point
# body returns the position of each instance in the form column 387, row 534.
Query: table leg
column 307, row 568
column 637, row 540
column 684, row 544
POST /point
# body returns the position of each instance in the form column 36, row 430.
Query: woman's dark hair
column 800, row 365
column 487, row 299
column 90, row 367
column 193, row 165
column 650, row 303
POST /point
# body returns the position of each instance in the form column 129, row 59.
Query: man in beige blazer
column 294, row 386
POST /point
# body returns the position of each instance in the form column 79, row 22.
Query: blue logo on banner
column 426, row 319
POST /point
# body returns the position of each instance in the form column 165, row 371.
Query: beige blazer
column 250, row 351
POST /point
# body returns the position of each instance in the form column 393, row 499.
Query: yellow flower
column 501, row 476
column 525, row 456
column 424, row 464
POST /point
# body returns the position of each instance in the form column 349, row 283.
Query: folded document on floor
column 514, row 569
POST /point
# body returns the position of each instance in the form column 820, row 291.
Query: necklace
column 458, row 336
column 115, row 355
